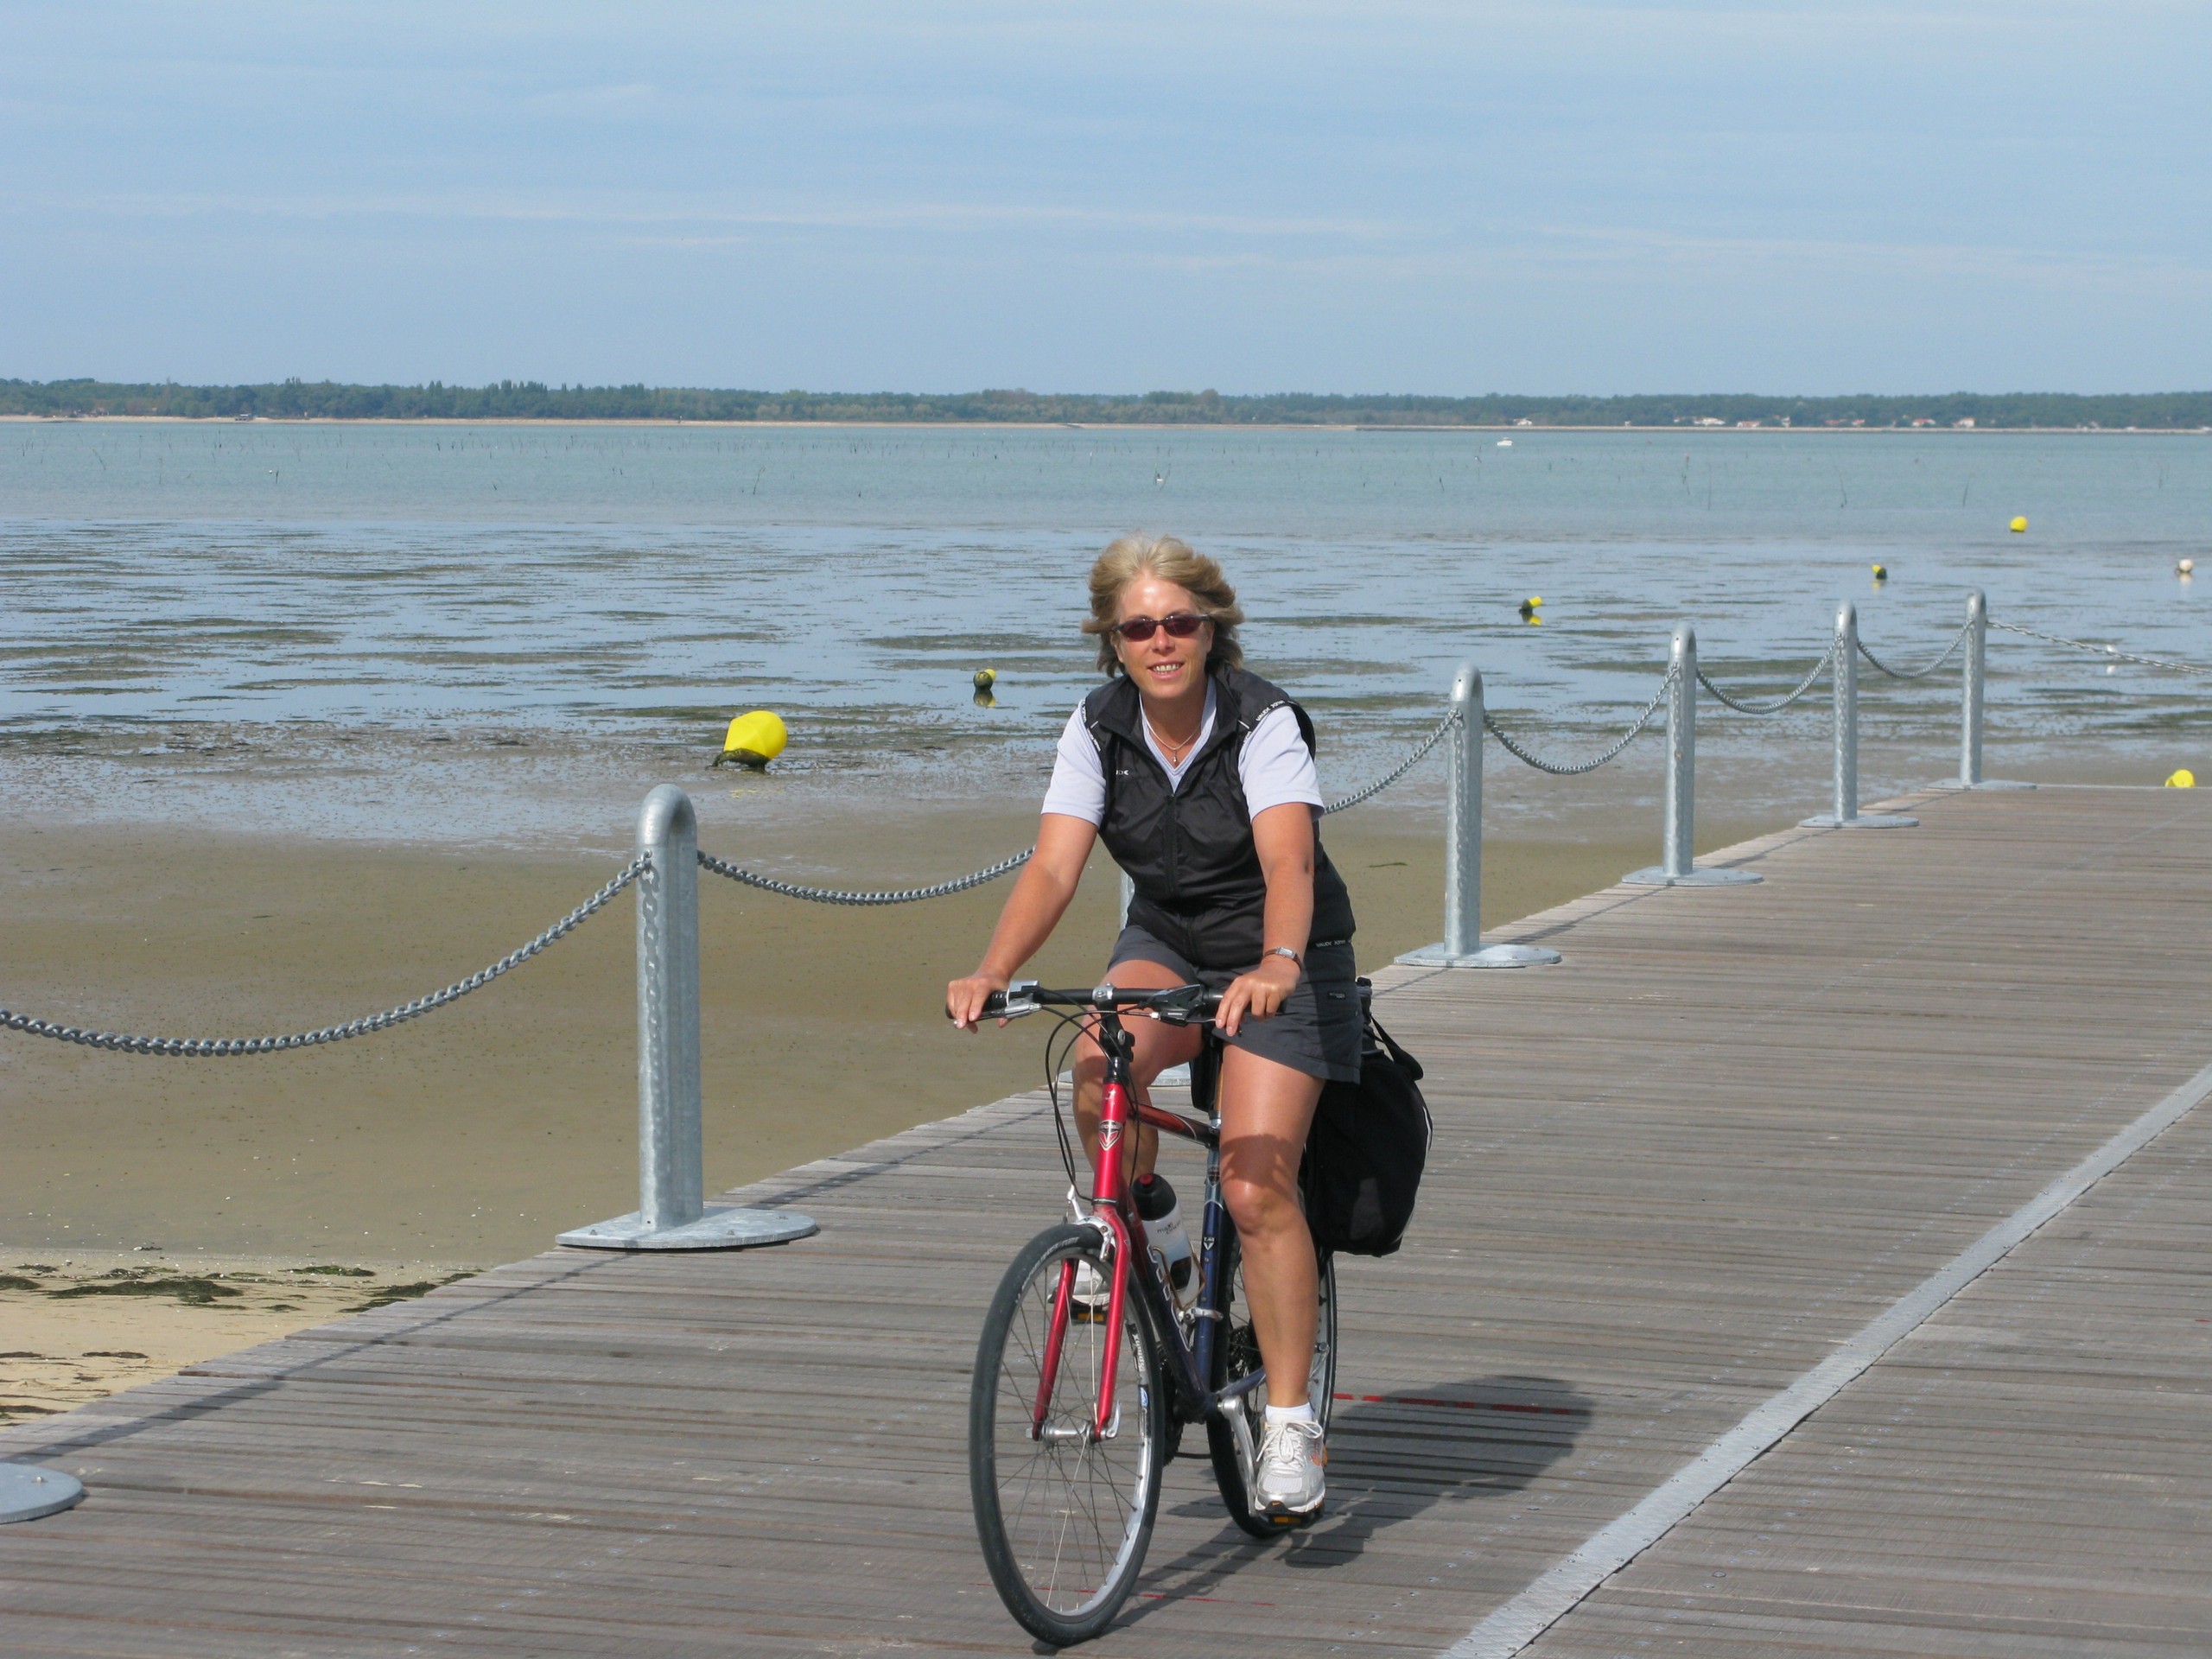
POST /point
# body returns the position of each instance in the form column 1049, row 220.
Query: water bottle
column 1165, row 1233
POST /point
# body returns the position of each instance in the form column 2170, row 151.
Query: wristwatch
column 1285, row 950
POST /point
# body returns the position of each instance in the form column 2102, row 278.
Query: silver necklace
column 1175, row 751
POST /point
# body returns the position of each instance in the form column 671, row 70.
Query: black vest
column 1200, row 889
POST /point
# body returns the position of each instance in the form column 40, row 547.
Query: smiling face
column 1166, row 669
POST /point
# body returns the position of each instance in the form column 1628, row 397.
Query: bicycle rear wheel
column 1064, row 1515
column 1233, row 1436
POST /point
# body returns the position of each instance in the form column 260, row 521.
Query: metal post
column 672, row 1213
column 1972, row 700
column 1843, row 679
column 1463, row 820
column 1678, row 842
column 1462, row 946
column 1843, row 676
column 1970, row 693
column 670, row 1173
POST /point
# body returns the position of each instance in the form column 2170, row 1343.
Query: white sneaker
column 1290, row 1484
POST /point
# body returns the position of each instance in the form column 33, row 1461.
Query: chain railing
column 2112, row 652
column 838, row 896
column 1513, row 747
column 1780, row 703
column 1419, row 753
column 1949, row 651
column 209, row 1047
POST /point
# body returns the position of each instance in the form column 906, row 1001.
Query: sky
column 838, row 195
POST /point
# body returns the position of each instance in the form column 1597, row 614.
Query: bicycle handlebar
column 1178, row 1005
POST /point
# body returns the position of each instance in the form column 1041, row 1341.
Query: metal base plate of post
column 1489, row 955
column 27, row 1492
column 1719, row 876
column 724, row 1227
column 1861, row 821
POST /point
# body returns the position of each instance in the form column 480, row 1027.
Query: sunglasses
column 1181, row 625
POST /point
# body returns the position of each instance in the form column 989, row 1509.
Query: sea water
column 238, row 606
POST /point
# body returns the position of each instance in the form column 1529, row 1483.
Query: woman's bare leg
column 1266, row 1109
column 1158, row 1047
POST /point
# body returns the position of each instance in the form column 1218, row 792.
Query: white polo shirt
column 1274, row 765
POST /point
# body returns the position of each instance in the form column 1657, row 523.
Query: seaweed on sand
column 193, row 1293
column 385, row 1295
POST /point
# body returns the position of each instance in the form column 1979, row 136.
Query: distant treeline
column 530, row 400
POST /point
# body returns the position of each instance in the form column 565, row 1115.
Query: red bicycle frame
column 1119, row 1113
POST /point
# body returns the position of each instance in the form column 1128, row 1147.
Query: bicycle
column 1067, row 1444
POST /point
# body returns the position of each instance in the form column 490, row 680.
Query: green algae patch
column 386, row 1295
column 193, row 1293
column 17, row 1281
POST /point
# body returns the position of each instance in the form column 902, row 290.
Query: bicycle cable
column 1071, row 1027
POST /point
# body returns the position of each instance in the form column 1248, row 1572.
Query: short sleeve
column 1275, row 767
column 1078, row 786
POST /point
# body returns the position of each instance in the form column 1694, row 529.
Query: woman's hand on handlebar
column 1260, row 994
column 964, row 998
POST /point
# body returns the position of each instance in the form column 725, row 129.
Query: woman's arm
column 1032, row 910
column 1283, row 837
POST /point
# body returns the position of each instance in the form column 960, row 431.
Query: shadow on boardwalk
column 1392, row 1458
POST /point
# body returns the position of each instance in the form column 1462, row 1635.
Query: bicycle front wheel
column 1233, row 1433
column 1063, row 1512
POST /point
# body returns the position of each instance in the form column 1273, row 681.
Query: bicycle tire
column 1233, row 1436
column 1064, row 1522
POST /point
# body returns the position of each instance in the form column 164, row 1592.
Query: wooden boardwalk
column 1672, row 1178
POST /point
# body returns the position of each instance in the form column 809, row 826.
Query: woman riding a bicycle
column 1199, row 777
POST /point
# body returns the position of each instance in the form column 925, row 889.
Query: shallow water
column 240, row 611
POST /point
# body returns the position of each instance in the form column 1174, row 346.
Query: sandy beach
column 92, row 1323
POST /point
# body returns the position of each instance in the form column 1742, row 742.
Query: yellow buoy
column 1528, row 609
column 1881, row 573
column 2187, row 567
column 753, row 740
column 986, row 679
column 2182, row 779
column 2019, row 526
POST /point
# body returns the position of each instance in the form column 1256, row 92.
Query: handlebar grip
column 995, row 1006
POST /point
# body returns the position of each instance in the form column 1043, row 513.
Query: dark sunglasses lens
column 1181, row 625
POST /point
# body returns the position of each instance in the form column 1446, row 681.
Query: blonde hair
column 1130, row 556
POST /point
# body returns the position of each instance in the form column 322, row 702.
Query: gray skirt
column 1317, row 1030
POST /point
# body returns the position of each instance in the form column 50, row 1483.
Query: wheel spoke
column 1073, row 1510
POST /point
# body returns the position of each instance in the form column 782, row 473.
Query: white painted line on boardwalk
column 1513, row 1625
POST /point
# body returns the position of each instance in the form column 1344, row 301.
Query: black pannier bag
column 1367, row 1148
